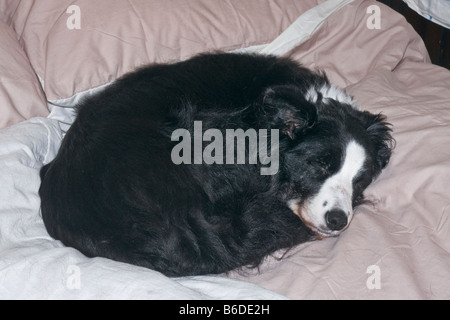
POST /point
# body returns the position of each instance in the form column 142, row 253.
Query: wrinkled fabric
column 21, row 95
column 117, row 36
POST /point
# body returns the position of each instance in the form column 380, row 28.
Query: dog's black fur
column 113, row 190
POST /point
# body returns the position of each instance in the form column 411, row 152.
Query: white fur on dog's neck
column 332, row 92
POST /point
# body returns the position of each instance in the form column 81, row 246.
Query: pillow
column 21, row 95
column 75, row 46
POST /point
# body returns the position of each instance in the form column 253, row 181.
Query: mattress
column 58, row 52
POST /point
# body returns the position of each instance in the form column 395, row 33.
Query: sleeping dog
column 126, row 184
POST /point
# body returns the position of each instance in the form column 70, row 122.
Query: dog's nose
column 336, row 220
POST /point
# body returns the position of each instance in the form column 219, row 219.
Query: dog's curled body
column 114, row 190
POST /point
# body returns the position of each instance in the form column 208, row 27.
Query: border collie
column 114, row 190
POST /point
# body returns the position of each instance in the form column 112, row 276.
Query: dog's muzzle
column 336, row 220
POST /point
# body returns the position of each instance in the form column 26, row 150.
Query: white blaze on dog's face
column 330, row 211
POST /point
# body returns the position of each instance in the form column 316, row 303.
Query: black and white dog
column 125, row 187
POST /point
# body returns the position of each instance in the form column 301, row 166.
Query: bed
column 54, row 53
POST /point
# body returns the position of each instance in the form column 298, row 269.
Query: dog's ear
column 289, row 111
column 380, row 134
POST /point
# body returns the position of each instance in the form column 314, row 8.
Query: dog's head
column 332, row 151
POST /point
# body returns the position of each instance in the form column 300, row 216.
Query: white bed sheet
column 34, row 266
